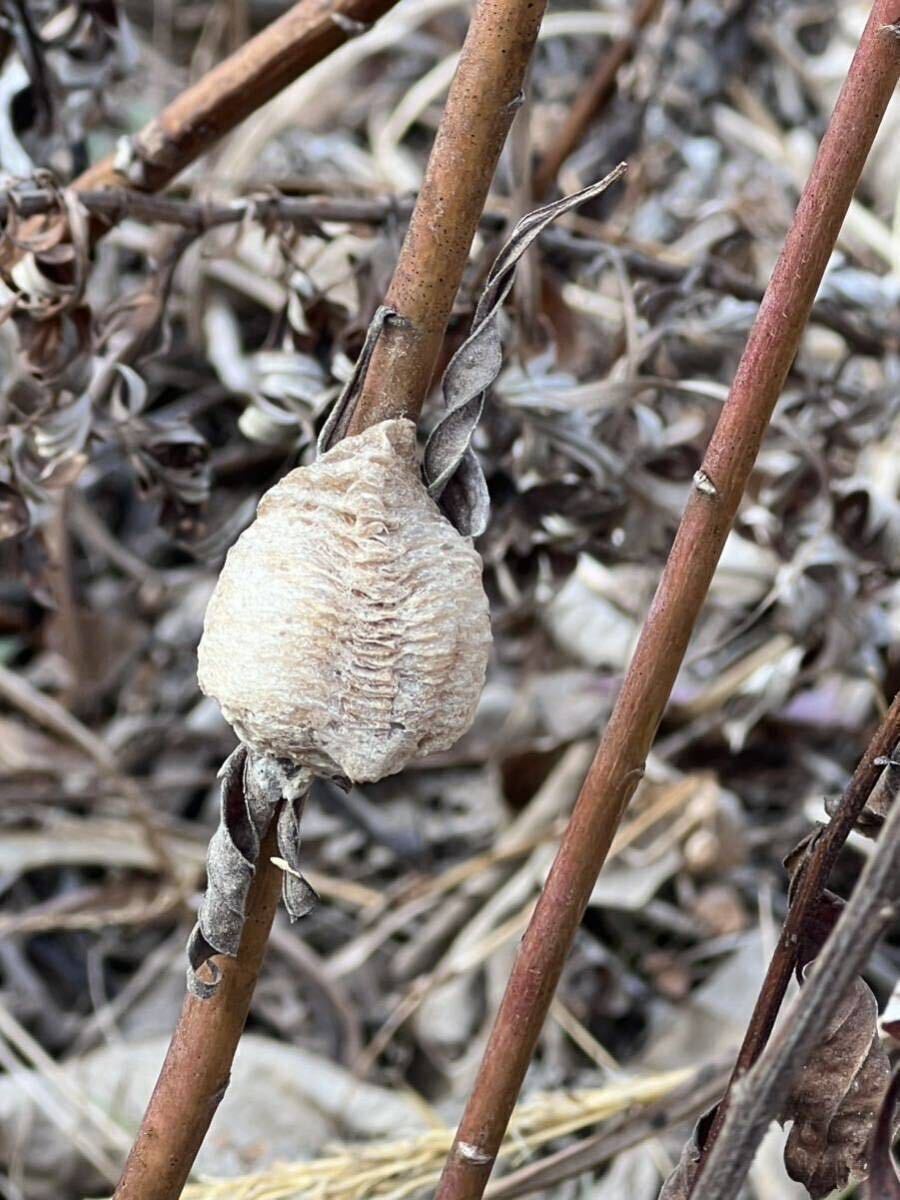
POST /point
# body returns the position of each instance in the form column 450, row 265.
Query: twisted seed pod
column 349, row 629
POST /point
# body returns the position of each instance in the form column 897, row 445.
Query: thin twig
column 759, row 1096
column 200, row 116
column 592, row 99
column 718, row 487
column 813, row 878
column 114, row 205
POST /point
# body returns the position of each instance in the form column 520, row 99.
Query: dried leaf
column 252, row 789
column 872, row 817
column 884, row 1183
column 171, row 460
column 835, row 1100
column 452, row 471
column 335, row 428
column 13, row 512
column 49, row 273
column 679, row 1184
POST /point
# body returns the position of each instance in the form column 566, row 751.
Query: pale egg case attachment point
column 349, row 629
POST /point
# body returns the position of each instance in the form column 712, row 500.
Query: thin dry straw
column 392, row 1170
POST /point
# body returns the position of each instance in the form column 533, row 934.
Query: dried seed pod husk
column 349, row 629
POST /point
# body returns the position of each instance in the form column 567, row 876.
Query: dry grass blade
column 410, row 1167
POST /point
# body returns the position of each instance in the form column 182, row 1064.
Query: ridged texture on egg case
column 349, row 628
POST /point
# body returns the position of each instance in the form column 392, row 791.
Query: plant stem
column 194, row 121
column 483, row 98
column 195, row 1073
column 701, row 535
column 759, row 1096
column 813, row 878
column 592, row 99
column 479, row 109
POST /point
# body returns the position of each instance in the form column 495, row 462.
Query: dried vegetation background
column 185, row 372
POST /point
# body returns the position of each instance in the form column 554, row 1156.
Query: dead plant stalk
column 761, row 1093
column 812, row 882
column 483, row 98
column 708, row 517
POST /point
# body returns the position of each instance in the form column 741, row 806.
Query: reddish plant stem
column 197, row 1067
column 592, row 99
column 701, row 535
column 813, row 879
column 481, row 104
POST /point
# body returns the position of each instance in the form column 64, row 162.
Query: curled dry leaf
column 681, row 1180
column 884, row 1183
column 835, row 1100
column 452, row 471
column 56, row 87
column 44, row 260
column 14, row 518
column 872, row 817
column 349, row 630
column 252, row 789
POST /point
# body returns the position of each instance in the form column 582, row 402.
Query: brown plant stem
column 592, row 99
column 483, row 98
column 479, row 109
column 813, row 879
column 197, row 1067
column 218, row 102
column 759, row 1095
column 711, row 508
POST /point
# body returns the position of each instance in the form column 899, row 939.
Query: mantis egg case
column 349, row 629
